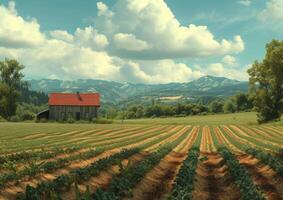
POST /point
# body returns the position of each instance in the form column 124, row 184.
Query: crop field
column 140, row 161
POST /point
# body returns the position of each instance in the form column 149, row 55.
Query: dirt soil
column 213, row 181
column 264, row 177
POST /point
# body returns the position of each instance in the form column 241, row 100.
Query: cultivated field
column 152, row 161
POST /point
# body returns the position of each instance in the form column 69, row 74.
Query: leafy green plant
column 64, row 182
column 184, row 183
column 241, row 177
column 274, row 162
column 123, row 183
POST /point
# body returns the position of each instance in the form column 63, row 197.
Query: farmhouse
column 63, row 106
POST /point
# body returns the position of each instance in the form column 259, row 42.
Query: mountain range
column 114, row 91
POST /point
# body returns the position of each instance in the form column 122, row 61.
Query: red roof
column 64, row 99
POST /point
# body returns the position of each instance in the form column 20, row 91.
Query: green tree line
column 238, row 103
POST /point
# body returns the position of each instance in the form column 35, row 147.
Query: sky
column 138, row 41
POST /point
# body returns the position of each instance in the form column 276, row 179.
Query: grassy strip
column 184, row 183
column 214, row 138
column 26, row 156
column 255, row 141
column 81, row 174
column 159, row 139
column 112, row 138
column 241, row 176
column 233, row 140
column 198, row 139
column 46, row 189
column 35, row 168
column 123, row 183
column 274, row 162
column 260, row 137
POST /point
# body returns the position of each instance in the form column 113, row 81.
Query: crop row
column 184, row 183
column 241, row 177
column 63, row 182
column 123, row 183
column 26, row 156
column 274, row 162
column 34, row 168
column 83, row 174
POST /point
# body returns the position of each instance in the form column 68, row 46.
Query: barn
column 64, row 106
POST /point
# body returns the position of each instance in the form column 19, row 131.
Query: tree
column 229, row 107
column 216, row 107
column 266, row 83
column 242, row 102
column 10, row 85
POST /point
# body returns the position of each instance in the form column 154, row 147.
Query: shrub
column 15, row 118
column 71, row 120
column 27, row 115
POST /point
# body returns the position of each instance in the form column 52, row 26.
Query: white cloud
column 245, row 2
column 129, row 42
column 273, row 11
column 106, row 51
column 154, row 23
column 229, row 60
column 62, row 35
column 103, row 10
column 164, row 71
column 216, row 69
column 89, row 37
column 219, row 69
column 16, row 32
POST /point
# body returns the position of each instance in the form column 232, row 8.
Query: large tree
column 10, row 85
column 266, row 83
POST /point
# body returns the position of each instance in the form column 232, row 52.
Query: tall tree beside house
column 266, row 83
column 11, row 82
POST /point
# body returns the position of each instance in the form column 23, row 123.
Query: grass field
column 209, row 157
column 245, row 118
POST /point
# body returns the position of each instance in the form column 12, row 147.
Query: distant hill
column 115, row 92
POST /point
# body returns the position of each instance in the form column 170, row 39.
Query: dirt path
column 171, row 138
column 66, row 155
column 210, row 146
column 10, row 192
column 203, row 143
column 238, row 138
column 213, row 181
column 267, row 134
column 104, row 178
column 224, row 140
column 157, row 183
column 272, row 131
column 261, row 136
column 256, row 141
column 264, row 177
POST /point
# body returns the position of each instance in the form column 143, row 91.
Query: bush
column 15, row 118
column 71, row 120
column 27, row 115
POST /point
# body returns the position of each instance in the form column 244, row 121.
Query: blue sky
column 112, row 40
